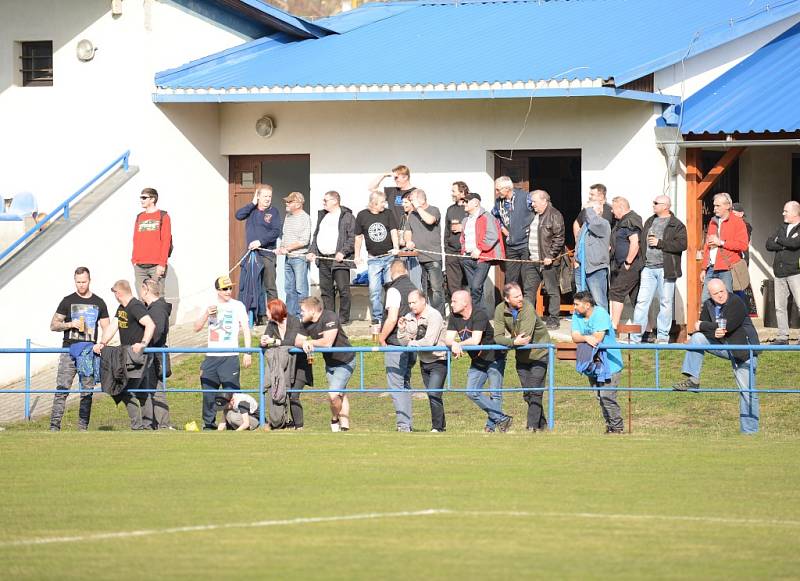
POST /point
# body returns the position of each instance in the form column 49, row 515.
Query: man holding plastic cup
column 724, row 320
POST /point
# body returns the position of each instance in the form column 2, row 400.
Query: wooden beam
column 697, row 186
column 694, row 230
column 712, row 177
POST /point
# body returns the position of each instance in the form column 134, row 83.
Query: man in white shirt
column 225, row 319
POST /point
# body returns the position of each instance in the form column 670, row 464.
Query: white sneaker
column 335, row 427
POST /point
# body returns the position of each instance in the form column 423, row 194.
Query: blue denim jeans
column 748, row 401
column 398, row 376
column 414, row 270
column 476, row 380
column 652, row 283
column 338, row 375
column 295, row 283
column 597, row 283
column 378, row 275
column 476, row 273
column 724, row 275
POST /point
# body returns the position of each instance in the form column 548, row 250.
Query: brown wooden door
column 244, row 178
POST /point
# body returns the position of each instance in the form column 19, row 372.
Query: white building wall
column 56, row 138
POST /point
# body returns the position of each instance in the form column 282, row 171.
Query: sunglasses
column 145, row 197
column 227, row 288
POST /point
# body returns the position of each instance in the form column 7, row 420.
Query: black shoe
column 553, row 323
column 610, row 430
column 780, row 341
column 209, row 427
column 686, row 385
column 55, row 428
column 504, row 425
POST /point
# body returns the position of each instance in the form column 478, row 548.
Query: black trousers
column 532, row 375
column 269, row 260
column 295, row 407
column 433, row 376
column 455, row 275
column 533, row 275
column 331, row 281
column 513, row 270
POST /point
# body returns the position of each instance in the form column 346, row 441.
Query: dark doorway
column 728, row 182
column 796, row 177
column 557, row 171
column 285, row 173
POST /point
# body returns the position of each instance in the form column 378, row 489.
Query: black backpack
column 162, row 214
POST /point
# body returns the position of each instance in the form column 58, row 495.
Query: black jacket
column 346, row 243
column 551, row 233
column 787, row 251
column 672, row 245
column 740, row 329
column 404, row 286
column 160, row 311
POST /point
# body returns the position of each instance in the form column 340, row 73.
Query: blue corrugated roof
column 760, row 94
column 485, row 43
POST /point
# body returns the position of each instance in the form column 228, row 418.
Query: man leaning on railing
column 724, row 318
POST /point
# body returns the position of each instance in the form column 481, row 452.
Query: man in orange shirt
column 152, row 241
column 726, row 239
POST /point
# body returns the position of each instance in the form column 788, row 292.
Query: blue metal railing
column 550, row 386
column 63, row 207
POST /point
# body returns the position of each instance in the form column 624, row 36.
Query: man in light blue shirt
column 592, row 324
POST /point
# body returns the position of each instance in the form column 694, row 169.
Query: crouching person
column 591, row 326
column 240, row 410
column 724, row 319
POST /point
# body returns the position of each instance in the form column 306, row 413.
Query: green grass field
column 684, row 496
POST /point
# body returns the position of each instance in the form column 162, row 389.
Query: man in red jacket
column 152, row 238
column 726, row 239
column 481, row 243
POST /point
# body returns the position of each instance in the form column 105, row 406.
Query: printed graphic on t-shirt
column 224, row 329
column 150, row 225
column 377, row 232
column 122, row 317
column 90, row 315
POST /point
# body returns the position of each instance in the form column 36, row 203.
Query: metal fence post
column 27, row 379
column 261, row 398
column 551, row 380
column 361, row 368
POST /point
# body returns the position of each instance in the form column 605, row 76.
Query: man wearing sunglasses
column 152, row 241
column 663, row 242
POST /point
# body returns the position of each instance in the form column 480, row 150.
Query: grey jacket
column 597, row 242
column 426, row 331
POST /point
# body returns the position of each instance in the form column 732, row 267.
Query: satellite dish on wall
column 85, row 50
column 265, row 126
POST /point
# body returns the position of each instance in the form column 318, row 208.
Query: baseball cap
column 295, row 197
column 223, row 282
column 472, row 196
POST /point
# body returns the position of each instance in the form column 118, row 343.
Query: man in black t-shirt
column 136, row 329
column 469, row 325
column 159, row 310
column 394, row 195
column 452, row 239
column 78, row 316
column 376, row 227
column 323, row 329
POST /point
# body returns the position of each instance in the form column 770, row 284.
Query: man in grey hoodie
column 592, row 257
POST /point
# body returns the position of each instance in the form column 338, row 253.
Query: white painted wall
column 56, row 138
column 444, row 141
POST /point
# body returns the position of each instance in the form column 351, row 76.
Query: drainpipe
column 668, row 140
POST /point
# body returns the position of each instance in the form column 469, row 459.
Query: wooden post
column 697, row 187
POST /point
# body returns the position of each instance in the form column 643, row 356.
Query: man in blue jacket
column 591, row 324
column 262, row 229
column 512, row 209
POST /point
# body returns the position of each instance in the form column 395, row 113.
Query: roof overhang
column 405, row 93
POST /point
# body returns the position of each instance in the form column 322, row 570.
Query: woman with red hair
column 282, row 329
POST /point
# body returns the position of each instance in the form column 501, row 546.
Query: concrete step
column 51, row 233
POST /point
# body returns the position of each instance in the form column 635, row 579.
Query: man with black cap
column 481, row 243
column 225, row 318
